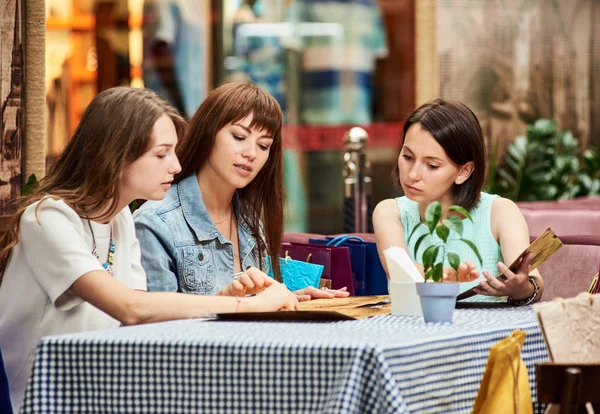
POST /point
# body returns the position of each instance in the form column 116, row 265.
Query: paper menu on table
column 400, row 266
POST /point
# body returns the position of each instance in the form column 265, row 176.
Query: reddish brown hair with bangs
column 114, row 131
column 263, row 197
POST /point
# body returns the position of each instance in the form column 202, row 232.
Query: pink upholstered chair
column 571, row 270
column 578, row 217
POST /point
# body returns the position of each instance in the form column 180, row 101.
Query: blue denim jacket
column 182, row 250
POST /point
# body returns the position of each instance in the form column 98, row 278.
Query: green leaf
column 514, row 165
column 474, row 248
column 561, row 161
column 542, row 128
column 521, row 145
column 517, row 153
column 508, row 178
column 595, row 189
column 134, row 205
column 418, row 244
column 433, row 214
column 414, row 231
column 586, row 181
column 442, row 232
column 453, row 223
column 461, row 211
column 429, row 256
column 428, row 274
column 438, row 271
column 454, row 261
column 30, row 185
column 592, row 163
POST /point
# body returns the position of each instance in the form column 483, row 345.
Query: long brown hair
column 263, row 197
column 114, row 131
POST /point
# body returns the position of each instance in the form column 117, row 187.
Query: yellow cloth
column 505, row 384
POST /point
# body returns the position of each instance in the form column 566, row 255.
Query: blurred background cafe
column 336, row 64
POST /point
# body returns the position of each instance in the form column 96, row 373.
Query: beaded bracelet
column 529, row 300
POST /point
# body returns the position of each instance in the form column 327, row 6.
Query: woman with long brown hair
column 70, row 260
column 224, row 213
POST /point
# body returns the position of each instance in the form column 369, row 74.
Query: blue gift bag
column 369, row 275
column 297, row 274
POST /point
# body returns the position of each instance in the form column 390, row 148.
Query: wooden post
column 34, row 89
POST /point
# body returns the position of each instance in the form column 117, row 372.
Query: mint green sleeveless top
column 479, row 232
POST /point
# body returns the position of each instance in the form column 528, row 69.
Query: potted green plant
column 544, row 164
column 438, row 299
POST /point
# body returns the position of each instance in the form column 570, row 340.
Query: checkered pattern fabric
column 388, row 364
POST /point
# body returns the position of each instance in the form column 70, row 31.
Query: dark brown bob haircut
column 456, row 128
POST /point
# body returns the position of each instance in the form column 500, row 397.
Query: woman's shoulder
column 484, row 204
column 501, row 203
column 395, row 207
column 504, row 214
column 401, row 205
column 48, row 208
column 156, row 208
column 487, row 197
column 386, row 207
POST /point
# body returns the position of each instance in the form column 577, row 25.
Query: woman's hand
column 516, row 285
column 250, row 282
column 275, row 297
column 466, row 273
column 311, row 292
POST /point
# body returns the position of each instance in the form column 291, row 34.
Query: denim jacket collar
column 196, row 215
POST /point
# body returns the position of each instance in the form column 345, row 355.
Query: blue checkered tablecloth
column 390, row 364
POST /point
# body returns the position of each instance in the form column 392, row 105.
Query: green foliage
column 30, row 185
column 433, row 266
column 545, row 164
column 134, row 205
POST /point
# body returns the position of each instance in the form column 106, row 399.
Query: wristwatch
column 530, row 299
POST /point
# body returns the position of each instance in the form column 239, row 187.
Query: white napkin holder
column 402, row 285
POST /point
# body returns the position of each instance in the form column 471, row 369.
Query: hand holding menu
column 541, row 249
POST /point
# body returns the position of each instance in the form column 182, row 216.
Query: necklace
column 222, row 221
column 110, row 259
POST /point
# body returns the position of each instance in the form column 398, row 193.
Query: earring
column 458, row 182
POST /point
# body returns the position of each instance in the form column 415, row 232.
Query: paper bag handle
column 341, row 239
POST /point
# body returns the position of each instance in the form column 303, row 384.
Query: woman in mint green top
column 443, row 159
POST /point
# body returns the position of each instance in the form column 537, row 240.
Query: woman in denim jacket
column 209, row 225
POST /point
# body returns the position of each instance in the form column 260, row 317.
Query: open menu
column 541, row 249
column 337, row 309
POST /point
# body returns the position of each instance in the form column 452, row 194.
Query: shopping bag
column 336, row 262
column 297, row 274
column 374, row 281
column 505, row 384
column 358, row 258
